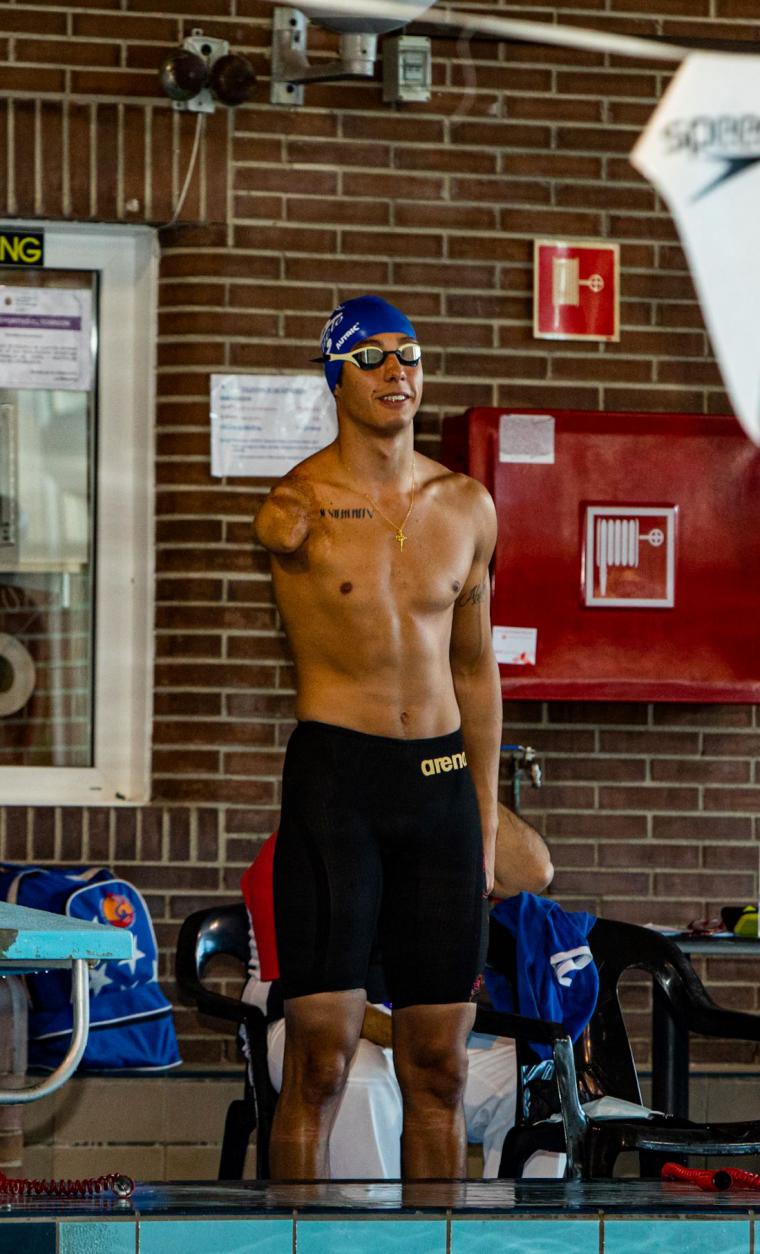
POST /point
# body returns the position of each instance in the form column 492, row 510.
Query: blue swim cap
column 356, row 320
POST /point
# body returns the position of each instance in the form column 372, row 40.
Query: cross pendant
column 401, row 538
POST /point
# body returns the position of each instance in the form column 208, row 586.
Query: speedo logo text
column 732, row 140
column 434, row 766
column 723, row 135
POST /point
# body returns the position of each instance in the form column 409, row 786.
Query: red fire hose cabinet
column 627, row 565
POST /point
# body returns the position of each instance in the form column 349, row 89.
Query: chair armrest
column 499, row 1023
column 692, row 1002
column 186, row 971
column 222, row 1007
column 210, row 1003
column 732, row 1025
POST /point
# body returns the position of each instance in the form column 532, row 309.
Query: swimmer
column 380, row 563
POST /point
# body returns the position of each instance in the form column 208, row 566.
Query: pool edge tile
column 526, row 1234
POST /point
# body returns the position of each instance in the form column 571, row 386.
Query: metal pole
column 80, row 998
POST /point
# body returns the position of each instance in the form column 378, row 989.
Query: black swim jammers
column 379, row 839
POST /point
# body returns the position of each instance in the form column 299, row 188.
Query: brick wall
column 649, row 810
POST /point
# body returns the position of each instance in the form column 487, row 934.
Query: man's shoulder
column 286, row 516
column 291, row 510
column 303, row 480
column 458, row 489
column 311, row 473
column 470, row 502
column 289, row 495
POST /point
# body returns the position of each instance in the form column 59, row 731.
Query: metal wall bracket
column 288, row 46
column 290, row 65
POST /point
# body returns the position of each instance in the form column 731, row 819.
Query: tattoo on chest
column 473, row 597
column 361, row 512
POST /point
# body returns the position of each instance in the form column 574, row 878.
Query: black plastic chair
column 223, row 930
column 602, row 1064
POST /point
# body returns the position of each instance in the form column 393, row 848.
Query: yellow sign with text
column 22, row 248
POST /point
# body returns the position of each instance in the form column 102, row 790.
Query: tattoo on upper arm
column 475, row 595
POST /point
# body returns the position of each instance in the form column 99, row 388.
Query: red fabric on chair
column 258, row 893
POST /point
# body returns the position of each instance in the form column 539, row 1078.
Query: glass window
column 47, row 549
column 77, row 380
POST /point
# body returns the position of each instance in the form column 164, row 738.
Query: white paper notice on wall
column 515, row 646
column 526, row 438
column 263, row 425
column 46, row 338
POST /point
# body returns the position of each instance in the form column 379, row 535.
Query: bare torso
column 369, row 624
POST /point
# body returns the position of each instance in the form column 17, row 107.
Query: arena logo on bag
column 117, row 910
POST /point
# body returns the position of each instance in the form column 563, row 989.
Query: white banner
column 263, row 425
column 701, row 150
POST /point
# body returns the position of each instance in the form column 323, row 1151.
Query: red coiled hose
column 743, row 1179
column 120, row 1186
column 709, row 1181
column 712, row 1181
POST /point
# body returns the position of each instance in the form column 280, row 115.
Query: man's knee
column 321, row 1036
column 324, row 1079
column 316, row 1076
column 317, row 1069
column 430, row 1052
column 433, row 1071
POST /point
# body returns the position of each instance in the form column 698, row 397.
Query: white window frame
column 127, row 260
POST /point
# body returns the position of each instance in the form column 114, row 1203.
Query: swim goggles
column 370, row 357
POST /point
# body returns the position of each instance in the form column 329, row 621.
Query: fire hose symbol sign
column 629, row 556
column 576, row 289
column 567, row 283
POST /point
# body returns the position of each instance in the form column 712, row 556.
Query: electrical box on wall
column 407, row 69
column 627, row 564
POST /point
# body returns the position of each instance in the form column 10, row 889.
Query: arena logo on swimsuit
column 434, row 766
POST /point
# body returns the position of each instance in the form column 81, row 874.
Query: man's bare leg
column 321, row 1035
column 430, row 1056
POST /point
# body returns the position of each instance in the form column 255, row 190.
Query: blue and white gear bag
column 131, row 1024
column 556, row 976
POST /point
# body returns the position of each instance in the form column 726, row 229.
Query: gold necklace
column 399, row 531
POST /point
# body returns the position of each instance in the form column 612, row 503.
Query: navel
column 404, row 717
column 346, row 587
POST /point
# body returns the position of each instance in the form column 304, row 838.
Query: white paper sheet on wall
column 526, row 438
column 46, row 338
column 515, row 646
column 263, row 425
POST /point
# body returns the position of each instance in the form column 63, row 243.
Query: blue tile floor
column 469, row 1217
